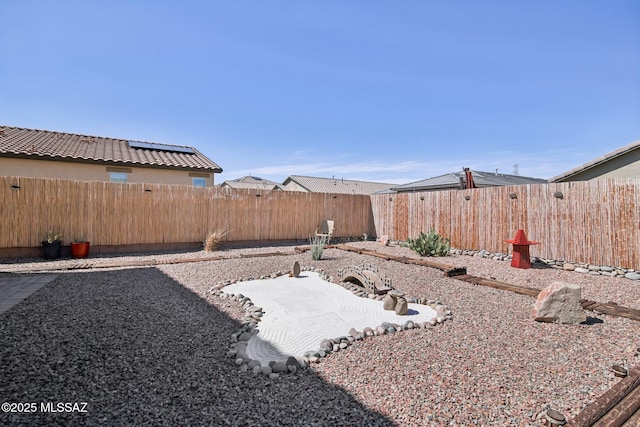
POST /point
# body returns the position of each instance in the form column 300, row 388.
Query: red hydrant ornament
column 520, row 258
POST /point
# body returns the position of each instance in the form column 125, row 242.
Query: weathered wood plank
column 613, row 309
column 449, row 270
column 498, row 285
column 607, row 401
column 588, row 305
column 622, row 411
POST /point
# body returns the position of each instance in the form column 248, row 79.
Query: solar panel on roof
column 137, row 144
column 160, row 147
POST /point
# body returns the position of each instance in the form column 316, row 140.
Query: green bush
column 317, row 246
column 431, row 244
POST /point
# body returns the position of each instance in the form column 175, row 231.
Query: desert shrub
column 317, row 246
column 214, row 238
column 430, row 244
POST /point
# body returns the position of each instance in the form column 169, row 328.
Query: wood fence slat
column 131, row 213
column 596, row 221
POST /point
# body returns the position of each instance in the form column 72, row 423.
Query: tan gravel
column 147, row 345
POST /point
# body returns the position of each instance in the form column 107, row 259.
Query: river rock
column 559, row 303
column 292, row 361
column 280, row 368
column 632, row 276
column 389, row 303
column 266, row 370
column 401, row 306
column 295, row 271
column 326, row 345
column 245, row 336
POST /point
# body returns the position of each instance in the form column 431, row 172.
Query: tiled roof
column 603, row 159
column 252, row 183
column 451, row 181
column 336, row 185
column 43, row 144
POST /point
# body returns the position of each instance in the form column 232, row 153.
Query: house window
column 118, row 176
column 199, row 182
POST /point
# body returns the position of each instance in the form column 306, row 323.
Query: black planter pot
column 51, row 250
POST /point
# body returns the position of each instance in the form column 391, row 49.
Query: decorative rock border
column 579, row 267
column 253, row 315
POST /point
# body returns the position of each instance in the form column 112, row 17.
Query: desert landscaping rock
column 295, row 270
column 632, row 276
column 389, row 303
column 559, row 303
column 149, row 346
column 401, row 306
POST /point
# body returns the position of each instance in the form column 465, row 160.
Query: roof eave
column 597, row 162
column 40, row 156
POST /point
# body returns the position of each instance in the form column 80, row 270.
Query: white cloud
column 530, row 163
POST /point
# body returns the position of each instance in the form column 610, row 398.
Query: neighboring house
column 252, row 183
column 622, row 163
column 48, row 154
column 332, row 185
column 459, row 180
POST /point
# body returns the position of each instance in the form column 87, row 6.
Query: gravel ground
column 147, row 345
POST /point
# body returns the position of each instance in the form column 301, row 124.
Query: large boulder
column 559, row 303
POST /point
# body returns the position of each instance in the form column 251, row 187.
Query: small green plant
column 317, row 246
column 431, row 244
column 52, row 237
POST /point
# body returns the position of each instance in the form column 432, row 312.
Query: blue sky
column 372, row 90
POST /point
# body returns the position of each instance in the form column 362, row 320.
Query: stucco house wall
column 294, row 186
column 47, row 154
column 95, row 172
column 627, row 166
column 622, row 163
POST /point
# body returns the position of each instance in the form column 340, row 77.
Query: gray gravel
column 146, row 345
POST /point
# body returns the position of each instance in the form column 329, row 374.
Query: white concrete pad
column 300, row 312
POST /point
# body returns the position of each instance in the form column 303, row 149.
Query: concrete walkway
column 16, row 287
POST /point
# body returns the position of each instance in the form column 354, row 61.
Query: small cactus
column 431, row 244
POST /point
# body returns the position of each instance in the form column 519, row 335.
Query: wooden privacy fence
column 125, row 214
column 596, row 221
column 593, row 221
